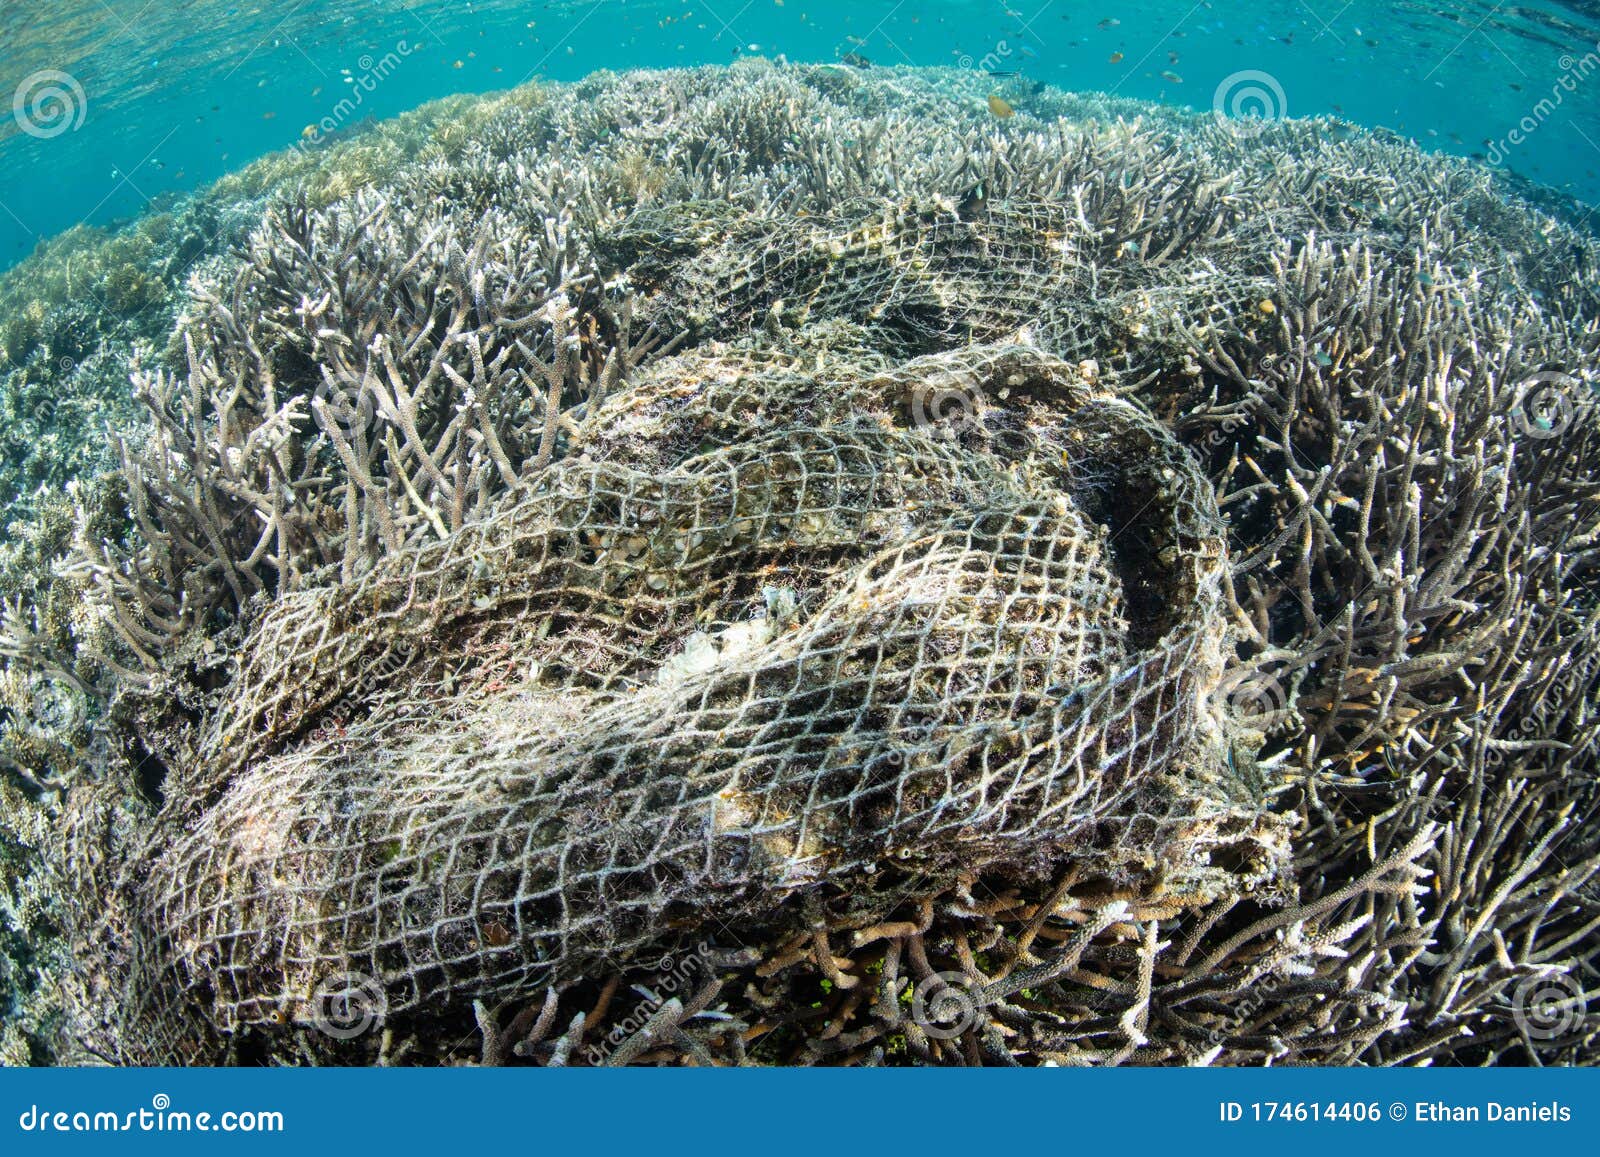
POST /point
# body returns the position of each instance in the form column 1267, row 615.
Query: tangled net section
column 775, row 565
column 845, row 654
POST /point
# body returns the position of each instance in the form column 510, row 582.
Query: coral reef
column 465, row 643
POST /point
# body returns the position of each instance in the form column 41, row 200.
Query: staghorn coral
column 953, row 670
column 1383, row 362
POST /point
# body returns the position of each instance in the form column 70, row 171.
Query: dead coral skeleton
column 362, row 385
column 1383, row 361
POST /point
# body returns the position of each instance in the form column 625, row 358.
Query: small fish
column 1116, row 58
column 1171, row 78
column 1323, row 359
column 1108, row 22
column 1029, row 53
column 855, row 60
column 999, row 107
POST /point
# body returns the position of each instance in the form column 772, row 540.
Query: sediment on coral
column 1107, row 586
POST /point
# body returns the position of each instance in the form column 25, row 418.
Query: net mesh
column 882, row 621
column 764, row 630
column 926, row 273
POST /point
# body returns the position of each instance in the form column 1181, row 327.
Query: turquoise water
column 117, row 105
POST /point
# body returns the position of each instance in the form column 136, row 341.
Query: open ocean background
column 109, row 107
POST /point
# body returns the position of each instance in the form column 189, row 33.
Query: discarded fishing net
column 823, row 640
column 1104, row 586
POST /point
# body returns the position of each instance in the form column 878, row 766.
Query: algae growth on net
column 786, row 565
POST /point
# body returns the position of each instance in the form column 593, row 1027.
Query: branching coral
column 364, row 384
column 1383, row 362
